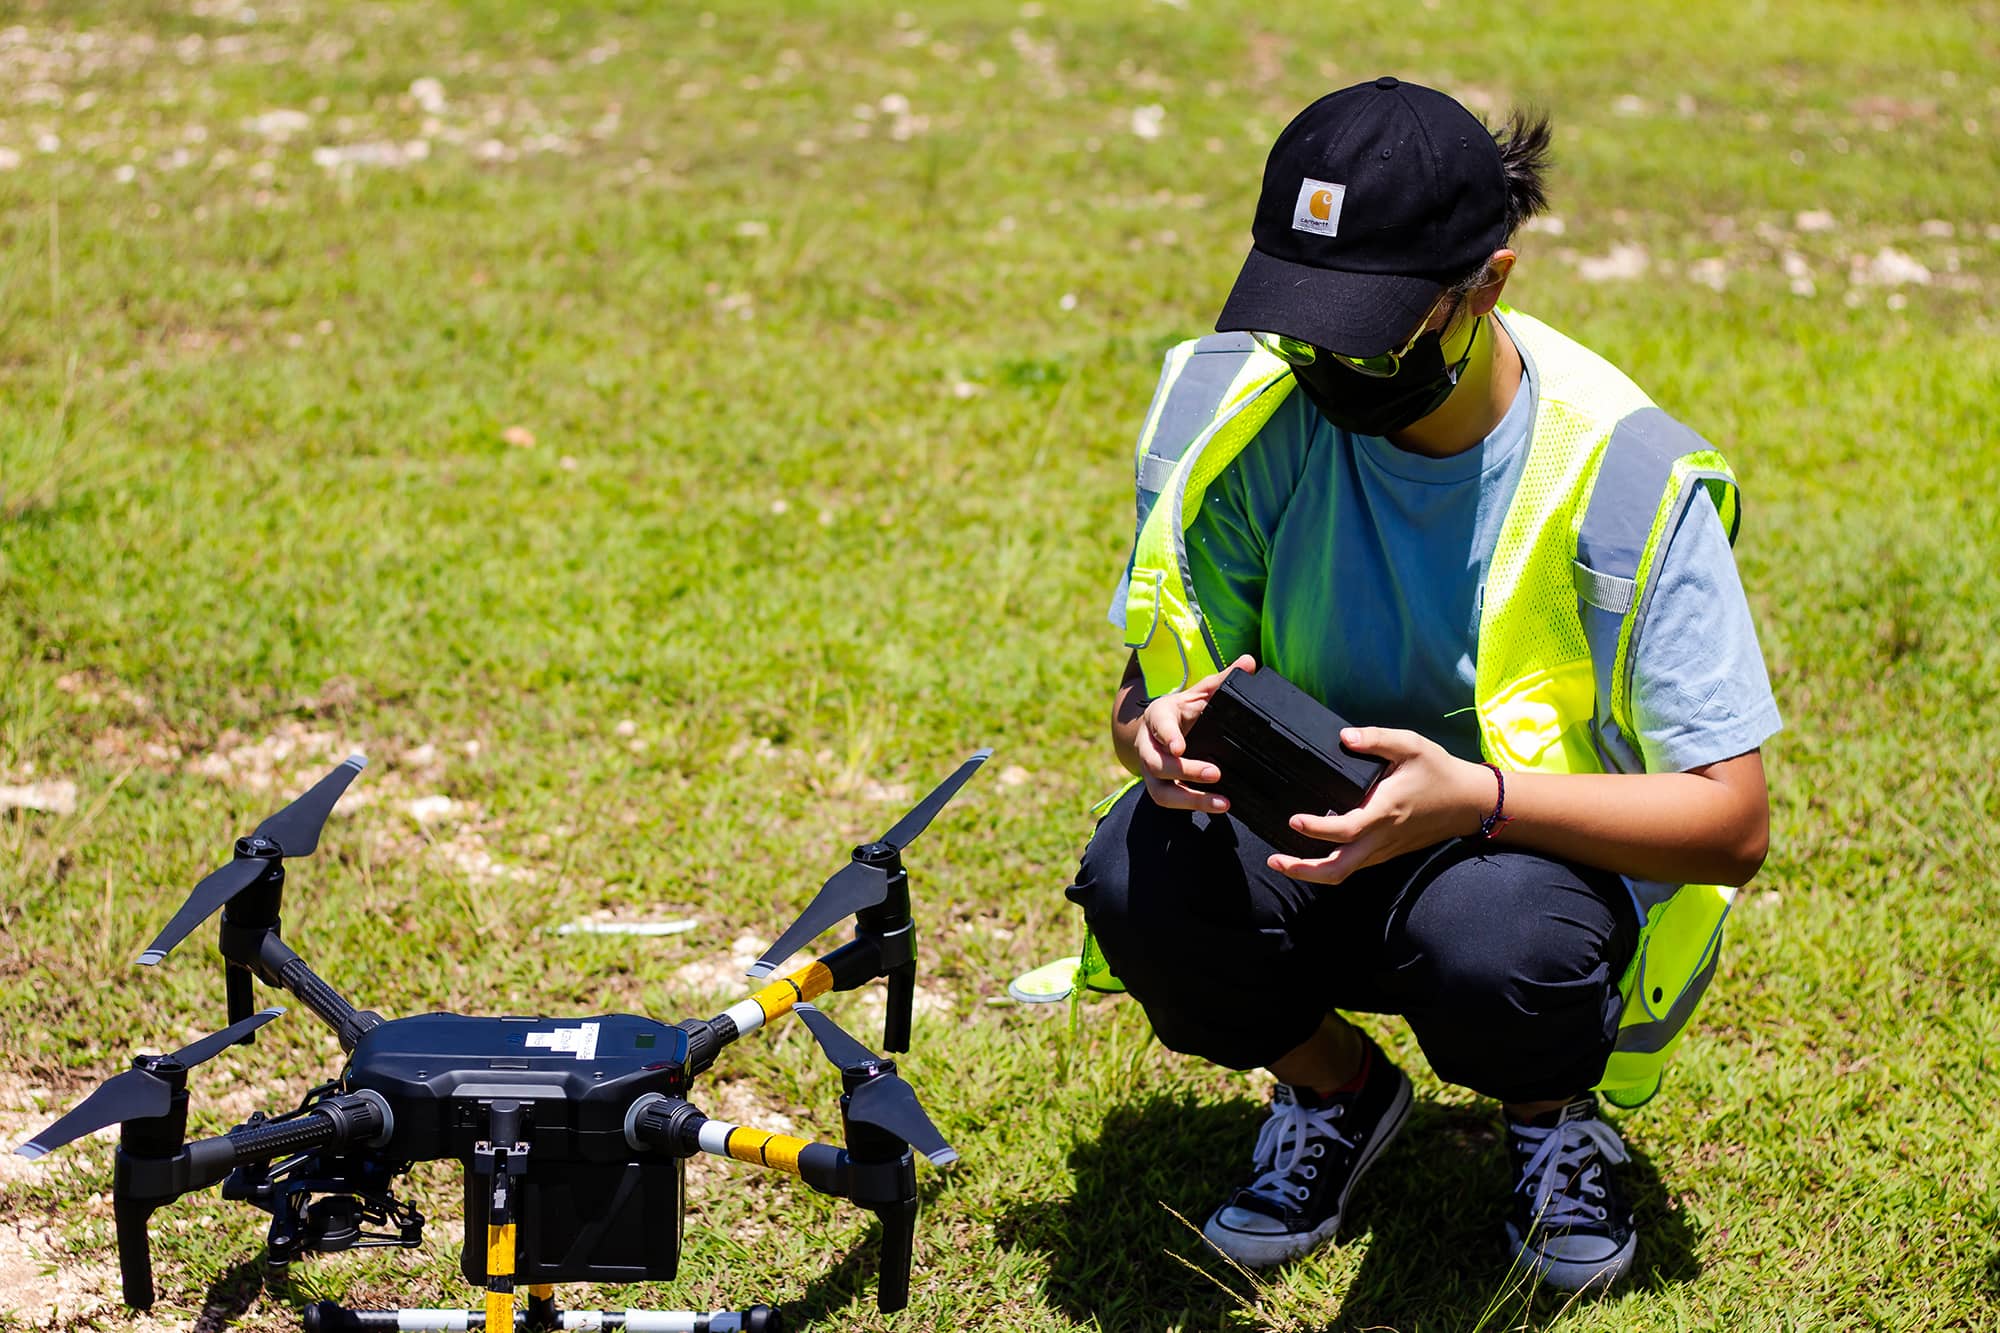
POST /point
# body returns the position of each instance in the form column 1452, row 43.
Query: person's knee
column 1166, row 895
column 1103, row 887
column 1522, row 957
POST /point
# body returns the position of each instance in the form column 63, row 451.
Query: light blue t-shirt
column 1354, row 568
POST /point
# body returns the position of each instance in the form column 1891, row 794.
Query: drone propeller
column 858, row 885
column 293, row 831
column 138, row 1093
column 884, row 1100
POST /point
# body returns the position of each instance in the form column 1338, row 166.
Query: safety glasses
column 1382, row 366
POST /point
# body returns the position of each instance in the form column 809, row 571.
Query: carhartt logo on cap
column 1318, row 208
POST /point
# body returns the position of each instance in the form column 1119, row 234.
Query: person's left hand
column 1426, row 796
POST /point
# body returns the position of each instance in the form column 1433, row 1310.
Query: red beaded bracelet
column 1490, row 826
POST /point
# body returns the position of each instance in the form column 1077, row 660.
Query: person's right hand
column 1162, row 740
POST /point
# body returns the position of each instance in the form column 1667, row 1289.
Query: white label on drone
column 582, row 1040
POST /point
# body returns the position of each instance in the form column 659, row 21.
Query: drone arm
column 277, row 965
column 853, row 964
column 150, row 1170
column 339, row 1121
column 887, row 1187
column 668, row 1124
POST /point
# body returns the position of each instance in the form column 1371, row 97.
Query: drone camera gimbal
column 574, row 1133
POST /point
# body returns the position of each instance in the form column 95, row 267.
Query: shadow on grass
column 1116, row 1255
column 230, row 1296
column 1431, row 1212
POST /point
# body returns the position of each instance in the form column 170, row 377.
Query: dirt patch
column 711, row 978
column 42, row 1281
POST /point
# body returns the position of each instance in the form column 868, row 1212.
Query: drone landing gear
column 327, row 1317
column 502, row 1158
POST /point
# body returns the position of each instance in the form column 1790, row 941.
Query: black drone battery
column 1280, row 754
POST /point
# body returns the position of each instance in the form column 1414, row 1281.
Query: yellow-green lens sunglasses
column 1381, row 366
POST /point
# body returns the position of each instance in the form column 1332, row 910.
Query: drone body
column 574, row 1133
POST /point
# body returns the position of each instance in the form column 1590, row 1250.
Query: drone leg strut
column 499, row 1261
column 504, row 1157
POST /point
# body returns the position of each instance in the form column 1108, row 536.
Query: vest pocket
column 1522, row 723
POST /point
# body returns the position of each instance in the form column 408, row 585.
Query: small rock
column 1817, row 219
column 1892, row 268
column 280, row 124
column 428, row 94
column 424, row 809
column 519, row 436
column 1624, row 262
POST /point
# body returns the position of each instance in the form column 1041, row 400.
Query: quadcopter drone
column 574, row 1132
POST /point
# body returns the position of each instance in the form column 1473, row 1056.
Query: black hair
column 1524, row 160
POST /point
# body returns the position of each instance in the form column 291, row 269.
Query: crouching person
column 1441, row 517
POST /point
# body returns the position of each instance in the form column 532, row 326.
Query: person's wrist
column 1492, row 816
column 1475, row 797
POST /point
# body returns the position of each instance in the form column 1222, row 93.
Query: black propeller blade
column 857, row 886
column 885, row 1101
column 293, row 831
column 910, row 825
column 854, row 887
column 136, row 1094
column 296, row 828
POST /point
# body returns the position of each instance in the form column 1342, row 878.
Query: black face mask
column 1367, row 405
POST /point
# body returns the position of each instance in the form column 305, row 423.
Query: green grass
column 831, row 327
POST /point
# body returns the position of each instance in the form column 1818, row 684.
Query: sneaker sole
column 1253, row 1250
column 1568, row 1275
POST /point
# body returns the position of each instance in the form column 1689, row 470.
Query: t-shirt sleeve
column 1700, row 693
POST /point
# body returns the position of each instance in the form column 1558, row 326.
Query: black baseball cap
column 1374, row 198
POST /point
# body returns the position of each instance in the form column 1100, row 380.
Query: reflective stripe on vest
column 1216, row 397
column 1606, row 480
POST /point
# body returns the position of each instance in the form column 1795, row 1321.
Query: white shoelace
column 1282, row 1145
column 1575, row 1151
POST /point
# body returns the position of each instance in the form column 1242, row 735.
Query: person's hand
column 1162, row 740
column 1426, row 796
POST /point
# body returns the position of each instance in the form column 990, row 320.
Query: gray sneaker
column 1567, row 1221
column 1308, row 1156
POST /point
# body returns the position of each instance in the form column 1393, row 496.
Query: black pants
column 1505, row 963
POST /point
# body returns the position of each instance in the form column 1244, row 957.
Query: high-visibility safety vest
column 1607, row 477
